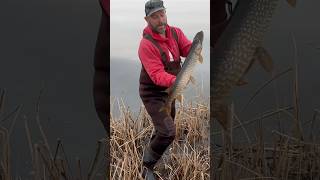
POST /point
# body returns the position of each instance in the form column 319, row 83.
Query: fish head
column 198, row 37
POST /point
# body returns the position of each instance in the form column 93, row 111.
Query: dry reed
column 186, row 158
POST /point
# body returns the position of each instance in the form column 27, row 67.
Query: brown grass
column 286, row 158
column 186, row 158
column 46, row 162
column 274, row 154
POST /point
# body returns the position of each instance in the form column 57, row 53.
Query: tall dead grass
column 47, row 162
column 273, row 154
column 186, row 158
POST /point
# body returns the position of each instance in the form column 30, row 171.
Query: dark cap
column 153, row 6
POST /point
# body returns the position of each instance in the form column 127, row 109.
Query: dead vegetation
column 47, row 163
column 284, row 157
column 186, row 158
column 272, row 153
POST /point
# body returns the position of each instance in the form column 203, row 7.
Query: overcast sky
column 127, row 24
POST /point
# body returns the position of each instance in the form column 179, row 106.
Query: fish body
column 185, row 74
column 237, row 47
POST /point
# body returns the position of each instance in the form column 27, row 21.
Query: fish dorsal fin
column 264, row 59
column 292, row 3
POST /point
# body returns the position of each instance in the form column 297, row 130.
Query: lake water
column 50, row 44
column 127, row 24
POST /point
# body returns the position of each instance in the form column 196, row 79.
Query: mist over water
column 127, row 24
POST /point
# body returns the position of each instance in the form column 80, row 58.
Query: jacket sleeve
column 151, row 60
column 183, row 42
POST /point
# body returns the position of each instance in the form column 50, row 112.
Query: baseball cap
column 152, row 6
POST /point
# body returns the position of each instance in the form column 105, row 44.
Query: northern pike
column 185, row 74
column 237, row 48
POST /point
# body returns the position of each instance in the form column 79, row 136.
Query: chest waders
column 153, row 98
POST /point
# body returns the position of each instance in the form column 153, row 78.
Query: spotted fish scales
column 238, row 46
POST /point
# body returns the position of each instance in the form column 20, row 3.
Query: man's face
column 157, row 21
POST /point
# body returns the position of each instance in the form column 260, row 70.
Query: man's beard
column 160, row 31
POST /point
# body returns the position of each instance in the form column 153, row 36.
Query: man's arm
column 151, row 60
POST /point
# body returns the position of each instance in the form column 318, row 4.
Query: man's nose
column 161, row 21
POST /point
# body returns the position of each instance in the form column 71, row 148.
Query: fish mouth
column 199, row 36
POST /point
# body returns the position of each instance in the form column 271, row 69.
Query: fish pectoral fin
column 169, row 89
column 292, row 3
column 248, row 68
column 264, row 59
column 180, row 98
column 200, row 59
column 192, row 80
column 242, row 82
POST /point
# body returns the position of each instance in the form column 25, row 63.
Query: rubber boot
column 149, row 160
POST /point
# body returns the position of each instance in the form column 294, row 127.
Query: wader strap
column 174, row 34
column 163, row 55
column 154, row 42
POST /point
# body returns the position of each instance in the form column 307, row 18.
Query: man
column 159, row 52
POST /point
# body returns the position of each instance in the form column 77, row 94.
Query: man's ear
column 146, row 18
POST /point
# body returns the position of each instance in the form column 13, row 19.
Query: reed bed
column 285, row 158
column 47, row 162
column 274, row 153
column 186, row 158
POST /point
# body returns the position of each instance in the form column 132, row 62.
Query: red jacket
column 151, row 59
column 105, row 4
